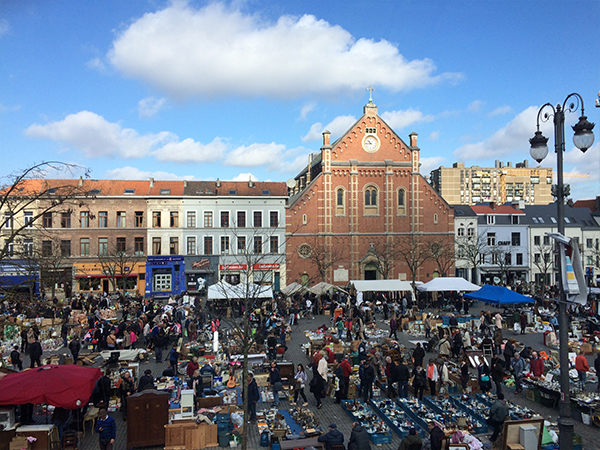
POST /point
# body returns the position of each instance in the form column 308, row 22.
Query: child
column 15, row 359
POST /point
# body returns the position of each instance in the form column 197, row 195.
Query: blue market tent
column 498, row 295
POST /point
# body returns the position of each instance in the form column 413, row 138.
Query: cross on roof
column 370, row 89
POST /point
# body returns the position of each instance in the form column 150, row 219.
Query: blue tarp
column 498, row 295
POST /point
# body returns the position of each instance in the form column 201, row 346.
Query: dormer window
column 165, row 192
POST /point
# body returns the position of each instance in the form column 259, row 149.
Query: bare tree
column 472, row 249
column 501, row 257
column 544, row 262
column 442, row 252
column 382, row 255
column 324, row 257
column 413, row 249
column 118, row 264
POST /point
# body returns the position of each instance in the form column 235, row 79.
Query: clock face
column 371, row 144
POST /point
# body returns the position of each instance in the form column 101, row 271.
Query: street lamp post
column 583, row 139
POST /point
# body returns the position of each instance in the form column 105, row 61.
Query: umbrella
column 69, row 386
column 498, row 295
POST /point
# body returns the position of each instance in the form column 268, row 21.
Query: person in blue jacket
column 332, row 437
column 107, row 428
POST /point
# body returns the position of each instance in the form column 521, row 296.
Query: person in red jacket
column 582, row 367
column 347, row 368
column 536, row 365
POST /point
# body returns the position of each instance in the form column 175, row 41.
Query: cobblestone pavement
column 333, row 413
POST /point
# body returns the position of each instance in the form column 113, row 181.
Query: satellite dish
column 291, row 183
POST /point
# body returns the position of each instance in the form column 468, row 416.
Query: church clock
column 370, row 143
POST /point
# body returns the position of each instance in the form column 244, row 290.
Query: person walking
column 498, row 414
column 126, row 389
column 338, row 373
column 35, row 354
column 393, row 327
column 518, row 368
column 403, row 377
column 418, row 355
column 464, row 375
column 317, row 386
column 432, row 376
column 107, row 430
column 253, row 396
column 299, row 383
column 509, row 352
column 419, row 382
column 435, row 435
column 582, row 367
column 497, row 373
column 427, row 323
column 174, row 359
column 368, row 377
column 276, row 385
column 347, row 368
column 15, row 359
column 75, row 347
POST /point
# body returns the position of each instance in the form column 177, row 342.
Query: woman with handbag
column 299, row 383
column 317, row 386
column 484, row 372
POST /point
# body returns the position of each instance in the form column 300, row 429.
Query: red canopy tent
column 69, row 386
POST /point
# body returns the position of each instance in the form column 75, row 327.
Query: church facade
column 361, row 210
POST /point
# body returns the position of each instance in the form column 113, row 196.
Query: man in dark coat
column 367, row 379
column 435, row 436
column 15, row 359
column 145, row 380
column 35, row 354
column 332, row 437
column 418, row 355
column 75, row 348
column 412, row 439
column 253, row 396
column 359, row 439
column 104, row 388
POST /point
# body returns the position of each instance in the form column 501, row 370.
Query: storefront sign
column 266, row 266
column 201, row 264
column 233, row 266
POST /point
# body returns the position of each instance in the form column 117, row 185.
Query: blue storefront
column 165, row 276
column 19, row 276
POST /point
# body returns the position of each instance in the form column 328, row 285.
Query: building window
column 519, row 259
column 208, row 245
column 491, row 239
column 258, row 245
column 435, row 218
column 546, row 240
column 241, row 244
column 10, row 248
column 224, row 245
column 65, row 248
column 273, row 219
column 208, row 219
column 401, row 201
column 173, row 246
column 103, row 219
column 515, row 220
column 28, row 219
column 371, row 197
column 470, row 232
column 491, row 220
column 84, row 244
column 536, row 240
column 47, row 220
column 537, row 258
column 8, row 220
column 28, row 247
column 139, row 219
column 156, row 246
column 191, row 245
column 274, row 244
column 241, row 219
column 257, row 219
column 46, row 248
column 102, row 246
column 121, row 246
column 304, row 250
column 191, row 219
column 340, row 209
column 84, row 219
column 138, row 246
column 304, row 219
column 461, row 232
column 121, row 219
column 589, row 243
column 508, row 259
column 224, row 219
column 65, row 220
column 174, row 219
column 516, row 239
column 156, row 219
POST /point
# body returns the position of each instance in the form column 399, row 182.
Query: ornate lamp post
column 583, row 139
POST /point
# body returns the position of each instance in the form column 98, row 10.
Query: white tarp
column 381, row 285
column 448, row 284
column 291, row 289
column 224, row 290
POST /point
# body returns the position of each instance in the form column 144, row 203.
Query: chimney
column 151, row 182
column 80, row 181
column 308, row 168
column 413, row 139
column 184, row 183
column 218, row 183
column 326, row 138
column 250, row 183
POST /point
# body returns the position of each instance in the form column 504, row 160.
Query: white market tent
column 293, row 288
column 381, row 285
column 323, row 288
column 223, row 290
column 448, row 284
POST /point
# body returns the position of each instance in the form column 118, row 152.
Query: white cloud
column 513, row 137
column 149, row 106
column 307, row 109
column 133, row 173
column 244, row 177
column 337, row 127
column 189, row 150
column 255, row 155
column 500, row 110
column 583, row 163
column 401, row 119
column 219, row 50
column 475, row 106
column 428, row 164
column 4, row 108
column 4, row 27
column 96, row 64
column 434, row 135
column 94, row 136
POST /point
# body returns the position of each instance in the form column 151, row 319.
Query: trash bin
column 223, row 439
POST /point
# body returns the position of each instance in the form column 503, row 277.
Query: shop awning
column 448, row 284
column 103, row 275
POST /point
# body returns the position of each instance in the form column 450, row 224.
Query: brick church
column 361, row 210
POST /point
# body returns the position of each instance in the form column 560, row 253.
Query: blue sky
column 201, row 90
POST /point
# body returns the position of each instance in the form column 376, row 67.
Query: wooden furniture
column 42, row 433
column 189, row 435
column 90, row 415
column 147, row 413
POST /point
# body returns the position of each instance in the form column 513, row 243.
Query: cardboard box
column 587, row 348
column 20, row 443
